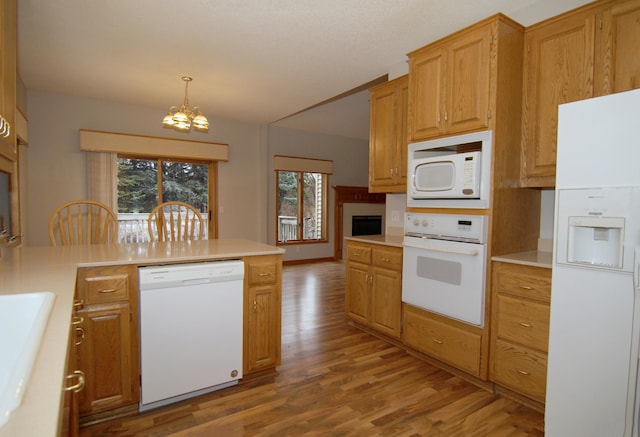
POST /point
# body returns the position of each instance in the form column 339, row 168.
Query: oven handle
column 472, row 252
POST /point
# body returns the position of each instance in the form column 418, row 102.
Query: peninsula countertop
column 35, row 269
column 387, row 240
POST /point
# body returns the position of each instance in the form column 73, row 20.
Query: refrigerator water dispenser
column 596, row 241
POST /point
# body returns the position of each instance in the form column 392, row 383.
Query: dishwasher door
column 191, row 319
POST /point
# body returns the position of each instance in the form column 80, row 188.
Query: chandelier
column 183, row 119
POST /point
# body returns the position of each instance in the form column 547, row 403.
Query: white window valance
column 110, row 142
column 309, row 165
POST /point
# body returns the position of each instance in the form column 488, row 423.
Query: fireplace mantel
column 346, row 194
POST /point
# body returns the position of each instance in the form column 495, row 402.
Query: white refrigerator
column 593, row 333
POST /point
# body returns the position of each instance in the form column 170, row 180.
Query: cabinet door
column 426, row 94
column 559, row 63
column 8, row 72
column 263, row 328
column 386, row 292
column 388, row 137
column 402, row 103
column 357, row 292
column 105, row 357
column 618, row 62
column 382, row 138
column 468, row 69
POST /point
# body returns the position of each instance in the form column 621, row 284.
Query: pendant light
column 183, row 119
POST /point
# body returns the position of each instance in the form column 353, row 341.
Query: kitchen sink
column 23, row 318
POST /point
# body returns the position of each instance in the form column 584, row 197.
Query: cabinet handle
column 5, row 127
column 446, row 116
column 108, row 290
column 522, row 372
column 438, row 341
column 438, row 117
column 79, row 335
column 525, row 325
column 525, row 287
column 387, row 260
column 264, row 274
column 77, row 320
column 255, row 305
column 78, row 303
column 356, row 253
column 77, row 387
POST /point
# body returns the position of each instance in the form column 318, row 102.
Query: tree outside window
column 302, row 198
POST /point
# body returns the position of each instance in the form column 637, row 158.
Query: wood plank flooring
column 335, row 380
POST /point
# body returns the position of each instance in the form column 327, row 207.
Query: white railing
column 287, row 228
column 132, row 228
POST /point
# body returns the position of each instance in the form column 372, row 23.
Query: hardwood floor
column 335, row 380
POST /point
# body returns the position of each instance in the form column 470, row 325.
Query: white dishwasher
column 190, row 330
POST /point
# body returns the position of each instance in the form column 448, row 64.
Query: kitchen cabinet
column 584, row 53
column 520, row 330
column 109, row 353
column 262, row 313
column 453, row 82
column 74, row 380
column 388, row 137
column 444, row 339
column 617, row 59
column 8, row 74
column 373, row 292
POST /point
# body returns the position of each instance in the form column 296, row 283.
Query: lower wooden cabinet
column 109, row 353
column 520, row 330
column 445, row 340
column 262, row 313
column 373, row 292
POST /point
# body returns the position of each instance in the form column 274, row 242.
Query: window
column 143, row 183
column 301, row 199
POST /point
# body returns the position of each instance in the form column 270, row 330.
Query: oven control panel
column 471, row 228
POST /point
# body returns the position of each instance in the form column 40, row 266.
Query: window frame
column 212, row 225
column 300, row 207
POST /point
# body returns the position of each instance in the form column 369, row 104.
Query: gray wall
column 56, row 170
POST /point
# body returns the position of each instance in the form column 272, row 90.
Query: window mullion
column 160, row 199
column 300, row 206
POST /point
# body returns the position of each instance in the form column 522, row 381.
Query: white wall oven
column 444, row 265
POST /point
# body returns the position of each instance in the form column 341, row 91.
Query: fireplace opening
column 366, row 225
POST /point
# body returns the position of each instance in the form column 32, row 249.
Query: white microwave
column 451, row 172
column 455, row 176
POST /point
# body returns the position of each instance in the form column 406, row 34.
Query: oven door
column 446, row 277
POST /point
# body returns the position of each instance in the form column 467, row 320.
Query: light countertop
column 34, row 269
column 387, row 240
column 534, row 258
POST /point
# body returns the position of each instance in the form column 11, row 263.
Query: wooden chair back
column 83, row 222
column 175, row 221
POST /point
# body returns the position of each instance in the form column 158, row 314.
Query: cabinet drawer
column 390, row 258
column 524, row 322
column 359, row 253
column 455, row 346
column 263, row 273
column 520, row 369
column 101, row 289
column 525, row 281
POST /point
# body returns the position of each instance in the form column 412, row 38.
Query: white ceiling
column 255, row 61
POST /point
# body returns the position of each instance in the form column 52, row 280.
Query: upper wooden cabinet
column 388, row 137
column 453, row 82
column 8, row 73
column 587, row 52
column 617, row 54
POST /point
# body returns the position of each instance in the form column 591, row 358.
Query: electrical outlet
column 395, row 216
